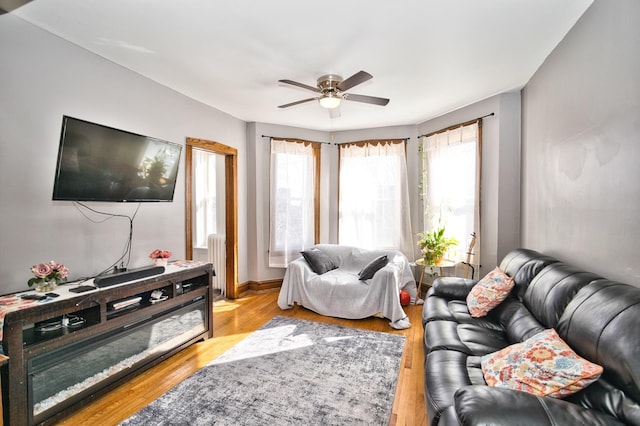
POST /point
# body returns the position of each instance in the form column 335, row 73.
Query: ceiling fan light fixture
column 330, row 101
column 331, row 90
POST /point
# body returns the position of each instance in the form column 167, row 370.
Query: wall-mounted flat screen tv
column 100, row 163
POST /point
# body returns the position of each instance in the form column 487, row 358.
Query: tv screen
column 99, row 163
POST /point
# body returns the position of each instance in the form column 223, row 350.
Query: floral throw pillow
column 541, row 365
column 489, row 292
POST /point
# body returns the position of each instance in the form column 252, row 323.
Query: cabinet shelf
column 37, row 383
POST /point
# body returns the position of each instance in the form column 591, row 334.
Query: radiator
column 217, row 250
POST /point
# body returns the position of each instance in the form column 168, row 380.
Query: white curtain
column 451, row 186
column 374, row 196
column 205, row 208
column 292, row 218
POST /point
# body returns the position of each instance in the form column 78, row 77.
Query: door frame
column 231, row 206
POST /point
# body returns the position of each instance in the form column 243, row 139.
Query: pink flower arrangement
column 160, row 254
column 50, row 271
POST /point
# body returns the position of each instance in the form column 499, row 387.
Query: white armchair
column 341, row 293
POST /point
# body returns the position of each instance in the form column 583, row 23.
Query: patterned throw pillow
column 489, row 292
column 542, row 365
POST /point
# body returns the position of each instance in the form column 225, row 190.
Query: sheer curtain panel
column 292, row 212
column 374, row 196
column 205, row 190
column 451, row 185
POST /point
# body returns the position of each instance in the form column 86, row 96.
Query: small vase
column 161, row 262
column 46, row 286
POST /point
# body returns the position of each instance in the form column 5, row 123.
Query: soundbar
column 131, row 275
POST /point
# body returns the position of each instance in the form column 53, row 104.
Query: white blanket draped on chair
column 340, row 293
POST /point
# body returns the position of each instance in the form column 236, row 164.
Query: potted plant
column 47, row 276
column 434, row 245
column 160, row 257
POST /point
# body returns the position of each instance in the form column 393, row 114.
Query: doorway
column 197, row 148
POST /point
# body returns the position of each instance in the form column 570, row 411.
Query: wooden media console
column 64, row 352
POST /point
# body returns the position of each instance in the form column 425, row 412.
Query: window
column 450, row 185
column 294, row 199
column 374, row 196
column 209, row 214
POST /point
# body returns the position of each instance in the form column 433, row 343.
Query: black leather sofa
column 598, row 318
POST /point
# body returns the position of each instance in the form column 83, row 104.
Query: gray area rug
column 289, row 372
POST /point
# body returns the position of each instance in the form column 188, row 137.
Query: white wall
column 500, row 180
column 581, row 145
column 42, row 78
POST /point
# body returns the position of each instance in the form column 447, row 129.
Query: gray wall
column 581, row 145
column 43, row 77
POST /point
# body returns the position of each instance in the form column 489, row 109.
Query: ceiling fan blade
column 354, row 80
column 304, row 86
column 297, row 102
column 366, row 99
column 8, row 6
column 334, row 112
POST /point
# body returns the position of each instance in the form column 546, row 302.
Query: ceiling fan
column 331, row 89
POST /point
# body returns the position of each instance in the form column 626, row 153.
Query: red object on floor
column 405, row 298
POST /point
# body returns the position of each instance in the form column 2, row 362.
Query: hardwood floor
column 233, row 321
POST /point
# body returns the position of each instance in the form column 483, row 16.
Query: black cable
column 126, row 252
column 473, row 268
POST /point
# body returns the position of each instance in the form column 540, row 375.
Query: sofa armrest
column 453, row 287
column 484, row 405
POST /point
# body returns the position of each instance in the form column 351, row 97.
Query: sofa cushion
column 483, row 405
column 453, row 287
column 439, row 308
column 489, row 292
column 601, row 323
column 604, row 397
column 552, row 289
column 518, row 322
column 319, row 262
column 523, row 265
column 372, row 267
column 542, row 365
column 445, row 372
column 470, row 339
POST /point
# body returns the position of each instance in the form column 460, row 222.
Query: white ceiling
column 428, row 56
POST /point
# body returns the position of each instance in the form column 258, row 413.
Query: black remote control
column 52, row 294
column 82, row 288
column 33, row 296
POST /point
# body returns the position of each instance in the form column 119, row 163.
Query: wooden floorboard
column 233, row 321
